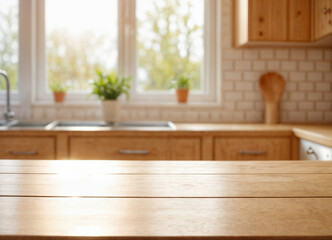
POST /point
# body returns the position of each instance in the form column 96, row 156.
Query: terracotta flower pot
column 182, row 95
column 59, row 96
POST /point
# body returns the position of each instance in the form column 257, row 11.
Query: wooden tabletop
column 164, row 199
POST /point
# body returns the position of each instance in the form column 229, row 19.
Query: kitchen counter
column 321, row 134
column 164, row 199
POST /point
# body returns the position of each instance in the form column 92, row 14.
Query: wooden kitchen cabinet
column 135, row 148
column 268, row 20
column 117, row 148
column 252, row 148
column 322, row 18
column 27, row 148
column 184, row 148
column 285, row 21
column 299, row 15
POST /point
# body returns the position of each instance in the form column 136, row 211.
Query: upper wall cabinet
column 285, row 21
column 268, row 20
column 322, row 18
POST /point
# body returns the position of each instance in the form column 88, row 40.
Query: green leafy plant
column 181, row 82
column 110, row 86
column 57, row 86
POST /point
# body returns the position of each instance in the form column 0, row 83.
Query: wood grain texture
column 103, row 148
column 245, row 148
column 321, row 134
column 299, row 16
column 317, row 134
column 181, row 148
column 322, row 21
column 167, row 186
column 163, row 167
column 166, row 217
column 27, row 148
column 165, row 199
column 268, row 20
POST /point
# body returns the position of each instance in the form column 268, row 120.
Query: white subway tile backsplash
column 314, row 96
column 297, row 116
column 315, row 76
column 243, row 65
column 282, row 54
column 267, row 54
column 297, row 96
column 306, row 65
column 323, row 106
column 234, row 76
column 316, row 116
column 245, row 105
column 306, row 106
column 323, row 66
column 298, row 54
column 251, row 54
column 306, row 86
column 297, row 76
column 233, row 96
column 252, row 76
column 244, row 86
column 259, row 65
column 323, row 87
column 315, row 54
column 289, row 65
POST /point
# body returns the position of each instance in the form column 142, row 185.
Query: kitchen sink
column 67, row 125
column 159, row 125
column 80, row 125
column 30, row 125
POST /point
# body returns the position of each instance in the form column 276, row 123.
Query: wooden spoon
column 272, row 86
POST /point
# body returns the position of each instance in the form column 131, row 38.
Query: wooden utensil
column 272, row 86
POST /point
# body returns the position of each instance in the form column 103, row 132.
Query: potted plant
column 59, row 90
column 108, row 87
column 182, row 85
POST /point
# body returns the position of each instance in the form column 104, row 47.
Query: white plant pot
column 110, row 110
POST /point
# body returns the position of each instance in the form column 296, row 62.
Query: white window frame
column 212, row 55
column 127, row 56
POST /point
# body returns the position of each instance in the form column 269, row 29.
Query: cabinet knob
column 299, row 13
column 326, row 10
column 261, row 19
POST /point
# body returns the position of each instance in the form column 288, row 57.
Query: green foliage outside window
column 9, row 45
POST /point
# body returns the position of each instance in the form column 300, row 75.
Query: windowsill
column 130, row 104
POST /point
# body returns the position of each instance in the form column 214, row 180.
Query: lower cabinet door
column 243, row 148
column 27, row 148
column 181, row 148
column 117, row 148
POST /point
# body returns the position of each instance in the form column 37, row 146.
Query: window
column 9, row 41
column 169, row 43
column 151, row 40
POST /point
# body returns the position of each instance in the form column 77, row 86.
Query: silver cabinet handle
column 29, row 153
column 134, row 152
column 311, row 151
column 243, row 152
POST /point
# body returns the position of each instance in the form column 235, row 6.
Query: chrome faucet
column 9, row 115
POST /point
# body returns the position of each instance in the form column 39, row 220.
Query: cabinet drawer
column 252, row 148
column 181, row 148
column 27, row 148
column 117, row 148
